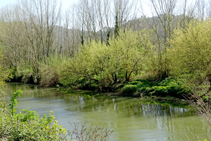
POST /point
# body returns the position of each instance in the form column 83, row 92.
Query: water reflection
column 131, row 118
column 133, row 107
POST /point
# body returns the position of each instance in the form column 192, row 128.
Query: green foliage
column 190, row 50
column 27, row 125
column 167, row 87
column 205, row 98
column 2, row 77
column 129, row 90
column 116, row 28
column 50, row 71
column 22, row 73
column 107, row 37
column 13, row 101
column 107, row 66
column 25, row 73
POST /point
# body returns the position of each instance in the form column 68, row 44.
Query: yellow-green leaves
column 107, row 65
column 2, row 77
column 13, row 101
column 191, row 48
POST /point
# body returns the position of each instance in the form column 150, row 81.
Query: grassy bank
column 169, row 87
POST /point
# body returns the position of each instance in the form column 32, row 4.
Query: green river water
column 130, row 118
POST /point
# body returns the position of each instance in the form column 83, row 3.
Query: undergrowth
column 27, row 125
column 167, row 87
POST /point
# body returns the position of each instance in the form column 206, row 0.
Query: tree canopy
column 129, row 54
column 191, row 48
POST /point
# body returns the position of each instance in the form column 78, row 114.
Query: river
column 130, row 118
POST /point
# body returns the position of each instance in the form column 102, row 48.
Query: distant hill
column 136, row 24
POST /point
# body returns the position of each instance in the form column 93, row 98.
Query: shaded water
column 130, row 118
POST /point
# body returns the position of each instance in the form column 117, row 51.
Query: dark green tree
column 108, row 36
column 82, row 37
column 116, row 28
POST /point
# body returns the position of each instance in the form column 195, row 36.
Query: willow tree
column 28, row 36
column 41, row 18
column 165, row 17
column 191, row 49
column 12, row 38
column 128, row 55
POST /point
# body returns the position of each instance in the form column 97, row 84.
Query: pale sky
column 65, row 3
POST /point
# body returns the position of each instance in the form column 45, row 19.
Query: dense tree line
column 106, row 66
column 102, row 44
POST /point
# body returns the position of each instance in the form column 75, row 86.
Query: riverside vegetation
column 28, row 125
column 135, row 61
column 172, row 62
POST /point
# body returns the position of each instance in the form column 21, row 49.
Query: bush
column 171, row 87
column 50, row 71
column 129, row 90
column 27, row 125
column 166, row 87
column 2, row 77
column 26, row 74
column 107, row 66
column 190, row 50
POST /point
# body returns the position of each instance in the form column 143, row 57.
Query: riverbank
column 169, row 90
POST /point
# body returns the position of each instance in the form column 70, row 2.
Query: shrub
column 107, row 66
column 190, row 50
column 50, row 71
column 26, row 74
column 2, row 77
column 129, row 90
column 166, row 87
column 27, row 125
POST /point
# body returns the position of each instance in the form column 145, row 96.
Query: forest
column 137, row 48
